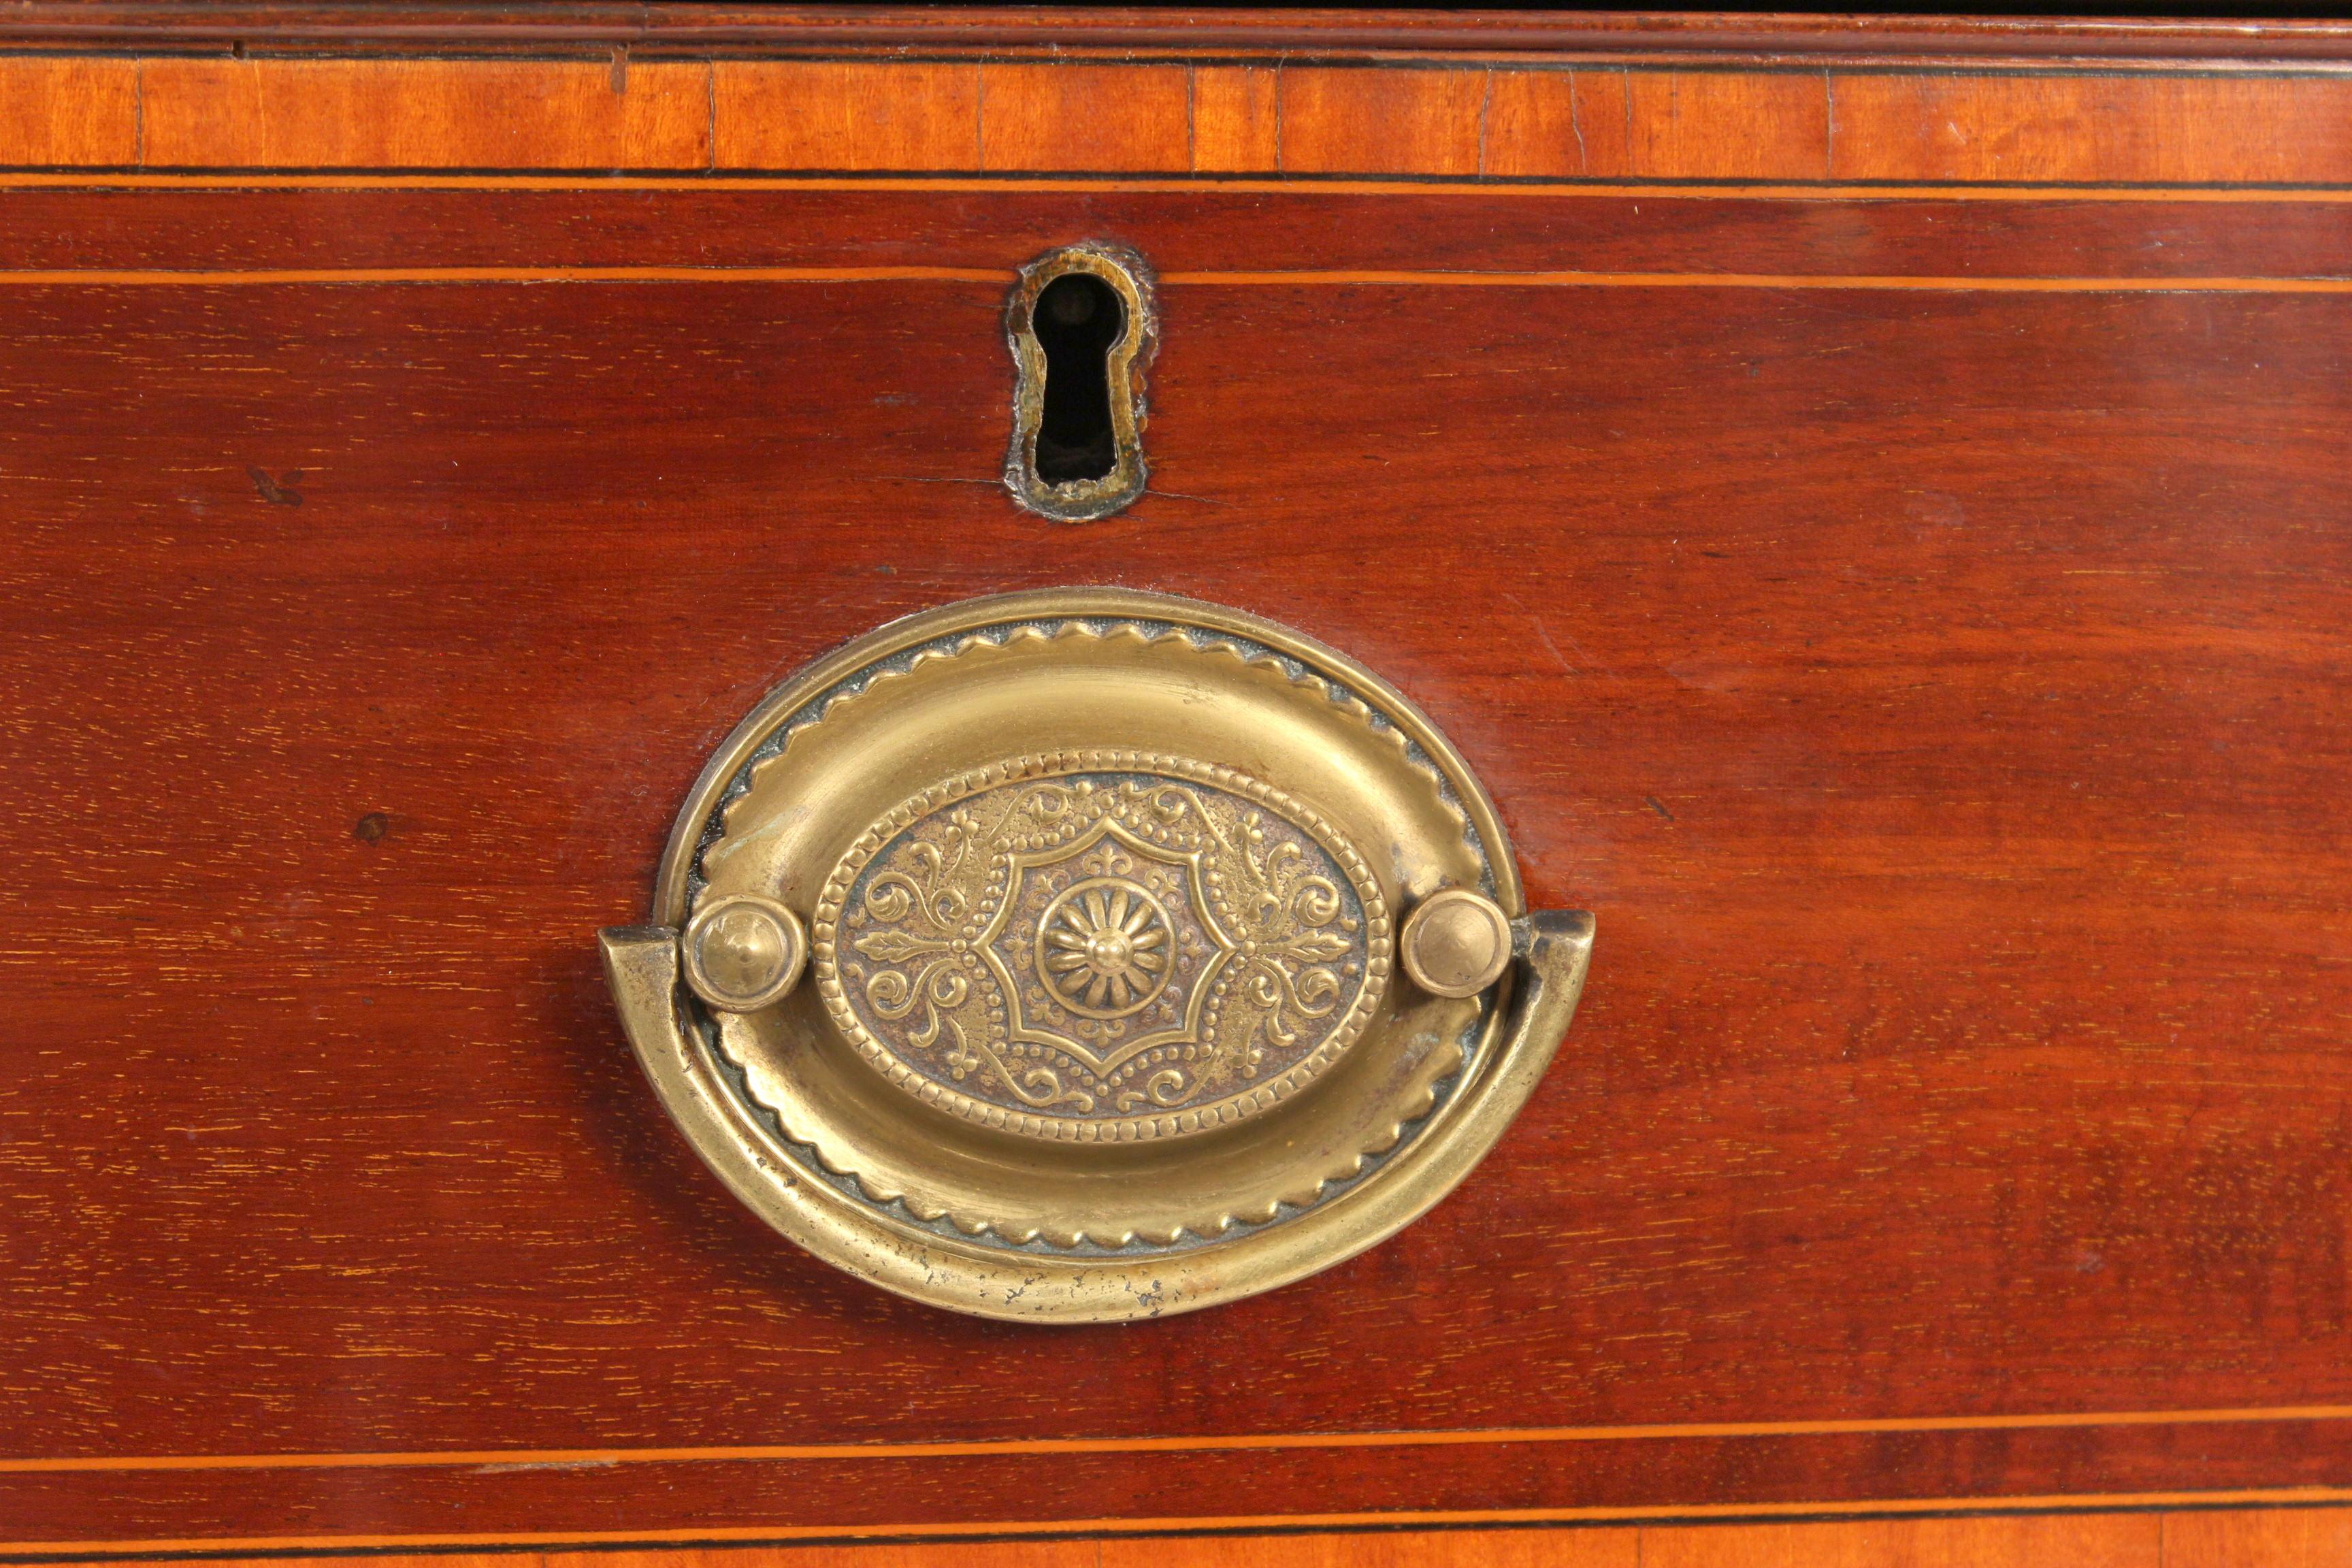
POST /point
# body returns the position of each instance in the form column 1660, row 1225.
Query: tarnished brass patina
column 1125, row 360
column 1156, row 956
column 1457, row 943
column 743, row 952
column 1102, row 946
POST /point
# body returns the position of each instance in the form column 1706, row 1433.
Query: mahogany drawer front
column 1902, row 596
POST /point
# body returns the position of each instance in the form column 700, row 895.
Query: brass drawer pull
column 1107, row 1010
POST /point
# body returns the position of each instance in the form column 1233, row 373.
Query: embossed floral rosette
column 1102, row 946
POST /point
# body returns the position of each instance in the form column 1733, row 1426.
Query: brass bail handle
column 744, row 952
column 1087, row 956
column 750, row 953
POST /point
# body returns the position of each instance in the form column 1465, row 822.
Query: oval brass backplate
column 1155, row 955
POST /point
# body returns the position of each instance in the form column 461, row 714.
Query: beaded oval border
column 824, row 927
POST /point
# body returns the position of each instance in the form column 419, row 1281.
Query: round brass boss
column 743, row 952
column 1456, row 942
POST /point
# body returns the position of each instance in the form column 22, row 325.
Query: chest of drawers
column 1868, row 499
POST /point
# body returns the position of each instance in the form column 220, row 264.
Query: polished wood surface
column 722, row 30
column 1909, row 613
column 2177, row 122
column 426, row 113
column 2286, row 1537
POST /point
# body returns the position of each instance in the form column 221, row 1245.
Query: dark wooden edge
column 667, row 27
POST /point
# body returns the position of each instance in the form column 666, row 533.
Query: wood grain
column 1373, row 121
column 2246, row 1538
column 1921, row 645
column 1718, row 125
column 2297, row 1538
column 993, row 229
column 431, row 114
column 976, row 1554
column 1236, row 119
column 471, row 27
column 1565, row 124
column 522, row 1497
column 2079, row 128
column 1936, row 695
column 1111, row 118
column 2103, row 1541
column 1105, row 118
column 1400, row 1549
column 804, row 114
column 78, row 112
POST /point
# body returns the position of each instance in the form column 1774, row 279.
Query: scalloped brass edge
column 1439, row 1156
column 1208, row 1228
column 1444, row 768
column 1452, row 788
column 1107, row 603
column 1554, row 950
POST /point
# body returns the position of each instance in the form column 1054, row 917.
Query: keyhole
column 1078, row 321
column 1083, row 329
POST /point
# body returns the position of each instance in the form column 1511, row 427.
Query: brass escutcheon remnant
column 1155, row 955
column 1040, row 473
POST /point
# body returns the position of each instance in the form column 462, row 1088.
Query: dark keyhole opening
column 1076, row 319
